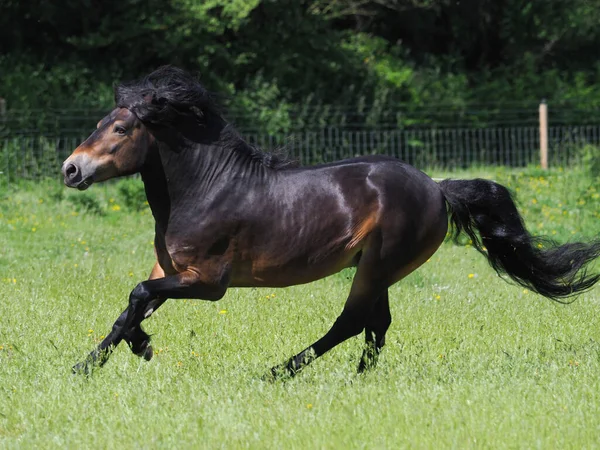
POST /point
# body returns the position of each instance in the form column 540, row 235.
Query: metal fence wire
column 36, row 153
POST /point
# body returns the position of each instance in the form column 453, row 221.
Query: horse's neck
column 192, row 174
column 157, row 194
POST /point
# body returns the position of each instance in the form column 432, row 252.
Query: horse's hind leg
column 368, row 306
column 367, row 285
column 350, row 323
column 376, row 326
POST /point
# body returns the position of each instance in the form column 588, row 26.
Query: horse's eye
column 120, row 130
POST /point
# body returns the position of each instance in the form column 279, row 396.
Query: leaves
column 282, row 62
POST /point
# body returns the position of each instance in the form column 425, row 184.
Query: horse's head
column 118, row 147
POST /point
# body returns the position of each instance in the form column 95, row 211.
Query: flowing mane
column 168, row 94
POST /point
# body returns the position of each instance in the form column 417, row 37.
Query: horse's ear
column 104, row 120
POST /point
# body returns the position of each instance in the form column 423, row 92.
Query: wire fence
column 38, row 151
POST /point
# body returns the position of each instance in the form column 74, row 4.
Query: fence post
column 2, row 108
column 544, row 134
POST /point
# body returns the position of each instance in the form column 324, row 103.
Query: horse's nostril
column 71, row 171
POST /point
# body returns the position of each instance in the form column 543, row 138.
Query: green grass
column 471, row 361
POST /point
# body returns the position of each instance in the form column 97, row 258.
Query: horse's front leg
column 136, row 337
column 142, row 300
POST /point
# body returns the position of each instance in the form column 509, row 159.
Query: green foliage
column 56, row 192
column 29, row 84
column 291, row 64
column 590, row 158
column 87, row 202
column 261, row 100
column 131, row 190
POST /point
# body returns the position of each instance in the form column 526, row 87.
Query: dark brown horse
column 229, row 215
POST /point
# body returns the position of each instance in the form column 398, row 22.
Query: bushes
column 132, row 193
column 590, row 158
column 111, row 198
column 294, row 64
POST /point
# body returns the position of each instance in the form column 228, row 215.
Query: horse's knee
column 141, row 298
column 139, row 294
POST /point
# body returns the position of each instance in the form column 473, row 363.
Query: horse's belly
column 266, row 272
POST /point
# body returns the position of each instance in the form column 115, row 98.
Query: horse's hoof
column 278, row 373
column 369, row 358
column 366, row 365
column 270, row 376
column 81, row 369
column 361, row 367
column 148, row 353
column 367, row 362
column 144, row 350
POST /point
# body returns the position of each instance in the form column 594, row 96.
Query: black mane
column 166, row 95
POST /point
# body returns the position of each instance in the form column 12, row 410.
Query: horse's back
column 395, row 181
column 389, row 169
column 376, row 195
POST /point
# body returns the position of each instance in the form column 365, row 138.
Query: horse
column 230, row 215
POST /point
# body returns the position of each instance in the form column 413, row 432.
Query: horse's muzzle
column 73, row 177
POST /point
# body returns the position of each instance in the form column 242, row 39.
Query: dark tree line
column 280, row 63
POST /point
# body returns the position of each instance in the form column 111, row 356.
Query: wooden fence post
column 544, row 134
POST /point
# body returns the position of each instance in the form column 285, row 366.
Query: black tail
column 540, row 264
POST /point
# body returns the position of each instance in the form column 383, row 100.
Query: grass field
column 471, row 361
